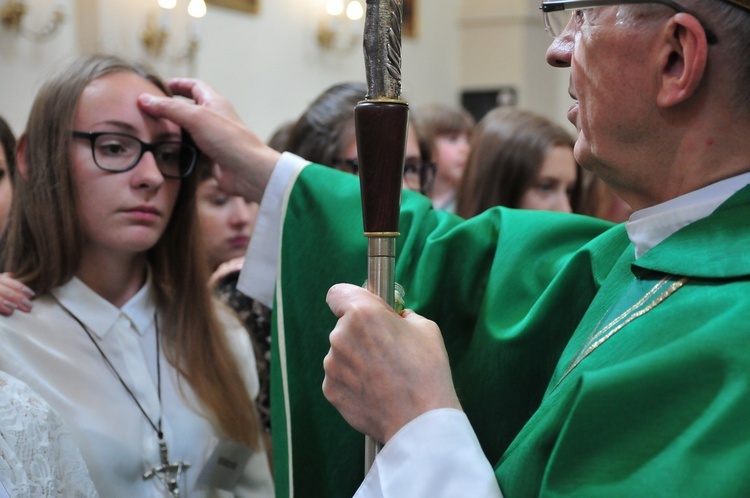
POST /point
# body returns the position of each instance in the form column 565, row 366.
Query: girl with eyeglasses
column 325, row 134
column 155, row 381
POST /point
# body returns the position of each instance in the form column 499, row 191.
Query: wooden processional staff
column 381, row 122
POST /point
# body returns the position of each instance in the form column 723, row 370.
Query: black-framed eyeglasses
column 557, row 13
column 120, row 152
column 418, row 175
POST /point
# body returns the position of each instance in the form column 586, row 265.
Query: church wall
column 270, row 65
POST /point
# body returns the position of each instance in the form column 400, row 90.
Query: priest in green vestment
column 544, row 354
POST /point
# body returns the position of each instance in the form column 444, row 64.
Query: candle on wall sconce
column 166, row 6
column 334, row 7
column 12, row 17
column 155, row 36
column 354, row 11
column 196, row 10
column 340, row 29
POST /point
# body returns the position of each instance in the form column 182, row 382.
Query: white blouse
column 51, row 352
column 37, row 454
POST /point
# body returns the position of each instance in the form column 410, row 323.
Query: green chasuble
column 582, row 372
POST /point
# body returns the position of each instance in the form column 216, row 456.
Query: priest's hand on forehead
column 245, row 162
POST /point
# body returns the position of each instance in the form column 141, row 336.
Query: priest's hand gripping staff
column 381, row 122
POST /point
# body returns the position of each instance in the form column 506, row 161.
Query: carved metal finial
column 382, row 47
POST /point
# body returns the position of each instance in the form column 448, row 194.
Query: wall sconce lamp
column 12, row 16
column 155, row 36
column 339, row 29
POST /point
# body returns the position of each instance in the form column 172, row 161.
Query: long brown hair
column 507, row 152
column 42, row 247
column 436, row 119
column 327, row 125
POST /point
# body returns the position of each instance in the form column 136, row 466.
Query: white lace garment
column 38, row 456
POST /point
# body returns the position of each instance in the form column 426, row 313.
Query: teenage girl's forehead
column 112, row 99
column 125, row 82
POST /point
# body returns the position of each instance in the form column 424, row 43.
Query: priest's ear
column 683, row 59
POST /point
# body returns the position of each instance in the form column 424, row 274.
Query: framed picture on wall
column 409, row 28
column 249, row 6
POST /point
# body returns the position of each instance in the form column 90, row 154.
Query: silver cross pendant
column 168, row 473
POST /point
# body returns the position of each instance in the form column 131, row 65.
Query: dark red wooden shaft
column 381, row 145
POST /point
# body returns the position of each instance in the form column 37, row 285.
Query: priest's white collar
column 648, row 227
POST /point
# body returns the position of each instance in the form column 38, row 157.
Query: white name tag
column 225, row 466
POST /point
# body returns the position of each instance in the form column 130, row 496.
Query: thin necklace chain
column 156, row 426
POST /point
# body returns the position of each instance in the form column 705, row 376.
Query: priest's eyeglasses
column 418, row 175
column 120, row 152
column 557, row 13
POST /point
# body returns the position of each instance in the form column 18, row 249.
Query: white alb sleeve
column 436, row 455
column 258, row 275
